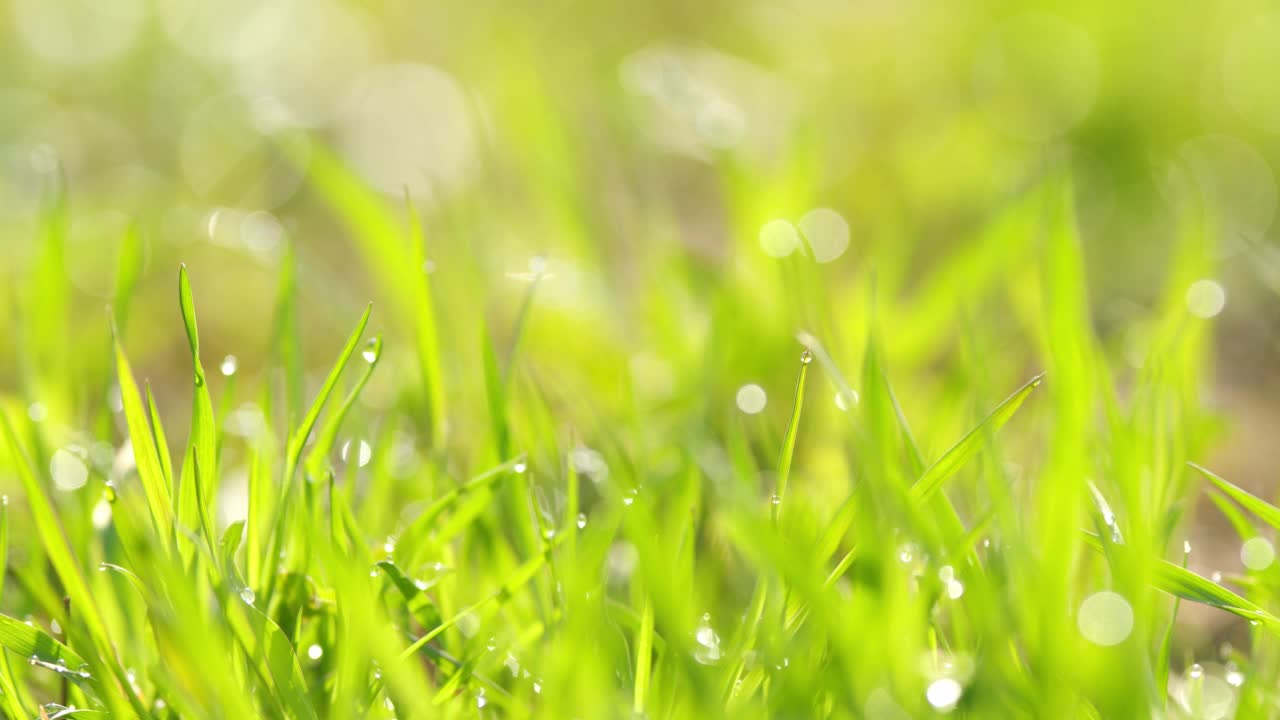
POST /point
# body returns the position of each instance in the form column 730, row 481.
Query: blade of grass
column 955, row 458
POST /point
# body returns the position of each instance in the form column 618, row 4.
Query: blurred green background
column 695, row 182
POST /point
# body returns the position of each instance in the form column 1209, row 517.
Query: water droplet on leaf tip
column 229, row 365
column 582, row 521
column 806, row 357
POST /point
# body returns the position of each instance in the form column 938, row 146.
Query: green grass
column 526, row 529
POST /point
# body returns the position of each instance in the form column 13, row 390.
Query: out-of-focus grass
column 768, row 388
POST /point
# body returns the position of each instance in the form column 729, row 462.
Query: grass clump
column 492, row 543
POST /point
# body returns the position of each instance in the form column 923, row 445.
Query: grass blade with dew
column 298, row 441
column 13, row 702
column 1183, row 583
column 199, row 469
column 955, row 458
column 55, row 543
column 425, row 331
column 789, row 440
column 327, row 438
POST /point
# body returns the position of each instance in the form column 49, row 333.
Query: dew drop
column 943, row 694
column 1257, row 553
column 520, row 467
column 1195, row 671
column 38, row 412
column 582, row 521
column 708, row 650
column 68, row 470
column 363, row 455
column 775, row 500
column 906, row 553
column 109, row 491
column 247, row 596
column 778, row 238
column 101, row 514
column 827, row 233
column 537, row 686
column 806, row 357
column 1105, row 618
column 315, row 652
column 751, row 399
column 1206, row 298
column 1235, row 678
column 492, row 644
column 229, row 365
column 371, row 351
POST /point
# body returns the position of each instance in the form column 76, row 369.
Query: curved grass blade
column 1265, row 511
column 199, row 471
column 1181, row 582
column 328, row 435
column 32, row 642
column 298, row 441
column 415, row 596
column 64, row 563
column 960, row 453
column 789, row 440
column 271, row 657
column 12, row 702
column 158, row 490
column 426, row 332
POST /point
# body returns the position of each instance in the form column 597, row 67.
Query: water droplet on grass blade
column 371, row 351
column 708, row 650
column 247, row 595
column 229, row 365
column 943, row 694
column 806, row 357
column 363, row 456
column 102, row 514
column 582, row 521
